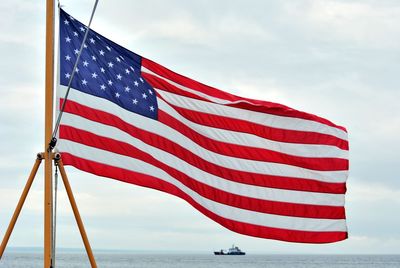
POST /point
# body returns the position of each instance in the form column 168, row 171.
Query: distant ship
column 232, row 251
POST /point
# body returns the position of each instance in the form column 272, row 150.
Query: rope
column 53, row 141
column 53, row 260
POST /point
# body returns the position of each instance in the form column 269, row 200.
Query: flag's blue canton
column 105, row 69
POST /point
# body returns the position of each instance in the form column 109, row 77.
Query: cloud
column 189, row 30
column 337, row 59
column 17, row 26
column 373, row 192
column 364, row 23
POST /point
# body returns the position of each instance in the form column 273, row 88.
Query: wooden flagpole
column 48, row 157
column 49, row 85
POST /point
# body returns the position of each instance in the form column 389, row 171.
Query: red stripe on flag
column 240, row 227
column 159, row 83
column 181, row 152
column 256, row 105
column 270, row 133
column 221, row 196
column 253, row 153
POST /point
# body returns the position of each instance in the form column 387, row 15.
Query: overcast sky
column 337, row 59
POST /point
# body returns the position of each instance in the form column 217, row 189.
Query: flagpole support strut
column 59, row 163
column 39, row 158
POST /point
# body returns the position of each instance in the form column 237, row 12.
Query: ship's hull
column 234, row 253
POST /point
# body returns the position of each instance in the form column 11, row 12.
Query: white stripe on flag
column 158, row 128
column 276, row 121
column 171, row 160
column 228, row 212
column 246, row 139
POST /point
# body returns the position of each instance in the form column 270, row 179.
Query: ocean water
column 114, row 260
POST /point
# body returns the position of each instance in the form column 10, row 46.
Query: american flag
column 255, row 167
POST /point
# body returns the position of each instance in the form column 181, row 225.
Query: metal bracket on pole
column 52, row 144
